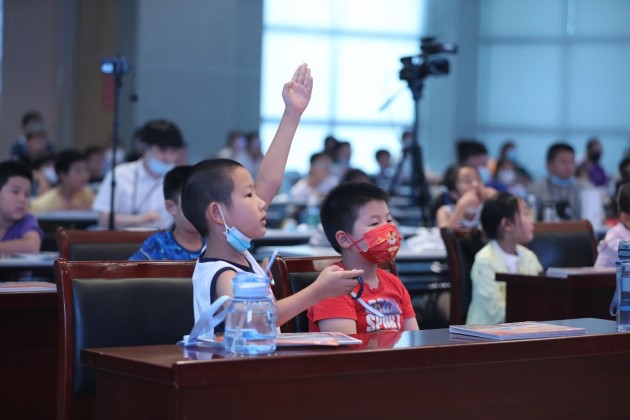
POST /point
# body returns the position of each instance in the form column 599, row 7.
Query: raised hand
column 297, row 92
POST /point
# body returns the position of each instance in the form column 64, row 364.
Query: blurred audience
column 383, row 179
column 32, row 122
column 317, row 183
column 607, row 248
column 72, row 191
column 341, row 160
column 461, row 204
column 560, row 189
column 591, row 166
column 139, row 199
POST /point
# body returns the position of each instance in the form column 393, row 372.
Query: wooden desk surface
column 423, row 373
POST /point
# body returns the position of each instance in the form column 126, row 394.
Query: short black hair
column 30, row 116
column 209, row 180
column 381, row 152
column 495, row 209
column 624, row 162
column 66, row 158
column 355, row 175
column 465, row 148
column 174, row 181
column 623, row 198
column 556, row 148
column 340, row 207
column 161, row 133
column 11, row 168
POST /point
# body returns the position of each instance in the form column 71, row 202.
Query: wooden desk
column 540, row 298
column 28, row 349
column 39, row 265
column 70, row 219
column 419, row 374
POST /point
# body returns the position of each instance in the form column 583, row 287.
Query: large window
column 552, row 70
column 354, row 49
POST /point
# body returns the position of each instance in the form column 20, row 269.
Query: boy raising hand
column 229, row 209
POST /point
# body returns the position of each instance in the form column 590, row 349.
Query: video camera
column 114, row 65
column 416, row 68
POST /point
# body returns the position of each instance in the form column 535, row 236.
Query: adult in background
column 560, row 188
column 139, row 198
column 591, row 166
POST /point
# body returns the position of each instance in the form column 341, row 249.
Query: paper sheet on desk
column 27, row 286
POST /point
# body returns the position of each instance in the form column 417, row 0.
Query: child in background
column 220, row 199
column 506, row 221
column 461, row 205
column 72, row 192
column 607, row 248
column 353, row 214
column 182, row 241
column 18, row 228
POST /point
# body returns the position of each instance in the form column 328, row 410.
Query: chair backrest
column 99, row 245
column 461, row 247
column 113, row 304
column 564, row 244
column 296, row 273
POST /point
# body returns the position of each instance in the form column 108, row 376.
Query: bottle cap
column 250, row 286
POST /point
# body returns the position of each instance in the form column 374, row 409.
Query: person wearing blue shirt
column 182, row 242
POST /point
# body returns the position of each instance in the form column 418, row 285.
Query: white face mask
column 50, row 174
column 506, row 176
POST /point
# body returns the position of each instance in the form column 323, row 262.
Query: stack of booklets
column 517, row 330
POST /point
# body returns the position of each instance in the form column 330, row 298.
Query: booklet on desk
column 295, row 339
column 517, row 330
column 571, row 271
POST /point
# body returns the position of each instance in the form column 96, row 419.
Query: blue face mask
column 235, row 238
column 158, row 167
column 484, row 174
column 564, row 183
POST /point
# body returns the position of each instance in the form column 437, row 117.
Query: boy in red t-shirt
column 358, row 224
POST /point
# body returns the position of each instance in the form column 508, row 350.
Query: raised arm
column 296, row 94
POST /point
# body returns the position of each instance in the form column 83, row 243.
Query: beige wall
column 51, row 53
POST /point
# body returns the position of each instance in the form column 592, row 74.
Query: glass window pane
column 367, row 76
column 530, row 18
column 520, row 85
column 366, row 141
column 308, row 139
column 282, row 53
column 399, row 17
column 298, row 13
column 599, row 86
column 602, row 17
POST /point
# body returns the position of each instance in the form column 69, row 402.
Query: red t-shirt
column 390, row 298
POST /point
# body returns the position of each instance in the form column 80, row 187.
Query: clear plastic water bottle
column 532, row 203
column 312, row 211
column 623, row 312
column 621, row 300
column 250, row 325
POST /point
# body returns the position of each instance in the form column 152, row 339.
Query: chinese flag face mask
column 382, row 243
